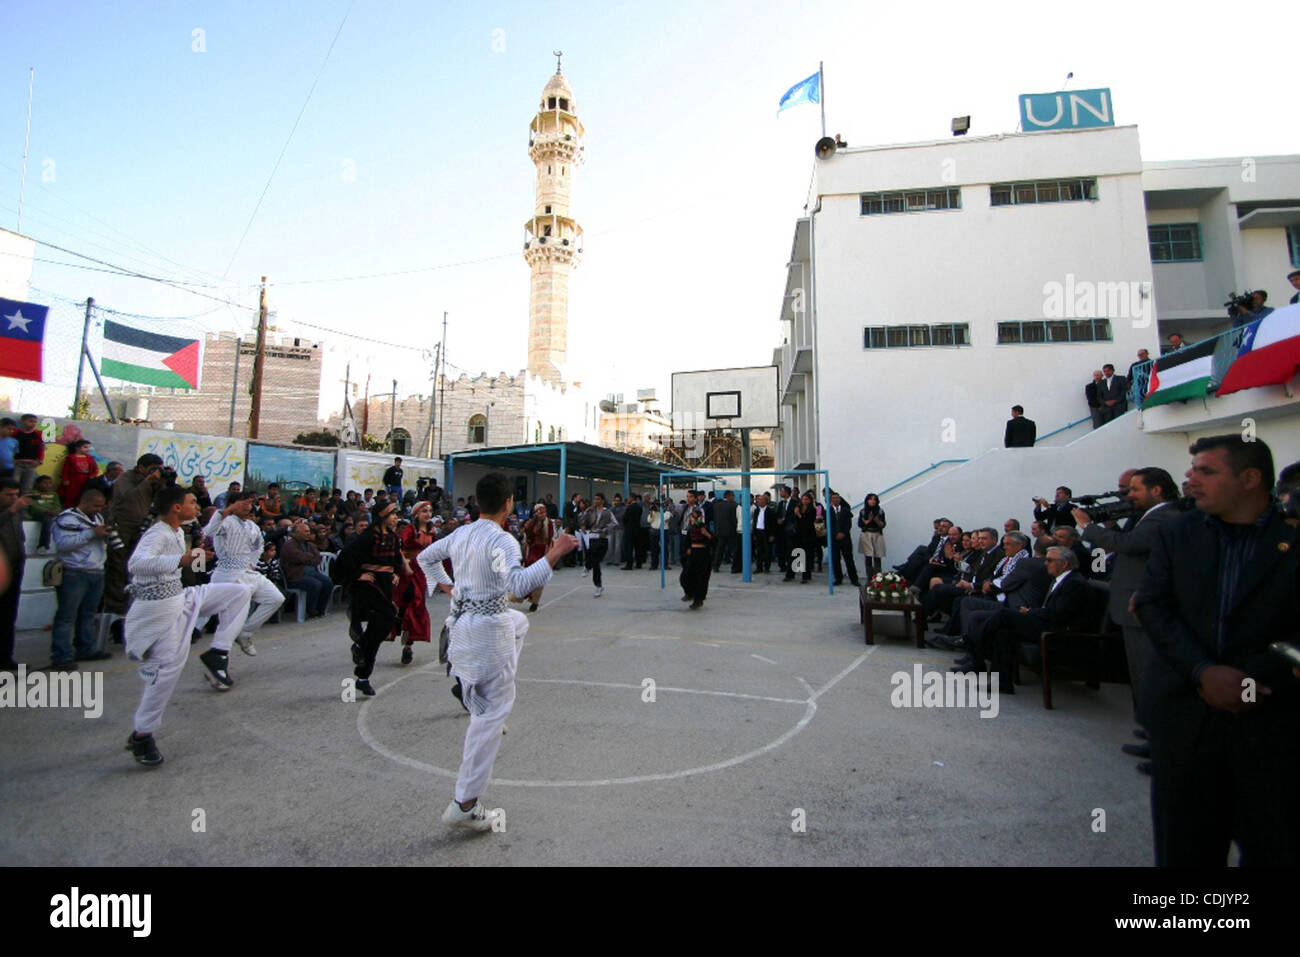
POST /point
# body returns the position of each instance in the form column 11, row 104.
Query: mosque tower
column 553, row 240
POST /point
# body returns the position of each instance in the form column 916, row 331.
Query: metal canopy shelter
column 563, row 459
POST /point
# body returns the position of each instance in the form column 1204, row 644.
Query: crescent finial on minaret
column 558, row 55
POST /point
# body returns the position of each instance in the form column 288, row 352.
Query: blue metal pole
column 745, row 536
column 564, row 474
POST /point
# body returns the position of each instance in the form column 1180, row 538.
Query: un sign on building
column 1076, row 110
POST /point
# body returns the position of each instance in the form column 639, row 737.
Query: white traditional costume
column 485, row 635
column 239, row 545
column 163, row 615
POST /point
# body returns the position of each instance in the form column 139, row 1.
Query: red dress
column 412, row 588
column 538, row 540
column 77, row 471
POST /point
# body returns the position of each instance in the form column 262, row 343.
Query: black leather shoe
column 144, row 749
column 96, row 656
column 363, row 685
column 941, row 642
column 1144, row 767
column 408, row 655
column 1137, row 750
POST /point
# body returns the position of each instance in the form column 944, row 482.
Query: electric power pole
column 255, row 412
column 442, row 390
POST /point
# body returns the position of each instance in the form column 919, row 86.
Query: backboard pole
column 746, row 540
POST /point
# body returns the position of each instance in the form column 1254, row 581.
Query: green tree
column 321, row 437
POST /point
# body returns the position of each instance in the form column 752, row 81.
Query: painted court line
column 761, row 658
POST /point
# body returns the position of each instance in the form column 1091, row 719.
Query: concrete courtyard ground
column 768, row 711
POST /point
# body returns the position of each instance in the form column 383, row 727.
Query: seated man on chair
column 300, row 561
column 1066, row 606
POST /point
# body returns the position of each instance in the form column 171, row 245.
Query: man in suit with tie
column 1066, row 607
column 1223, row 713
column 1152, row 492
column 922, row 554
column 1112, row 390
column 787, row 529
column 1019, row 580
column 982, row 564
column 763, row 531
column 1021, row 433
column 840, row 518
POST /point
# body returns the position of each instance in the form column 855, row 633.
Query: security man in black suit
column 1066, row 607
column 763, row 537
column 1222, row 712
column 1021, row 433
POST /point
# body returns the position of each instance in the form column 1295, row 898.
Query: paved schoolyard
column 768, row 712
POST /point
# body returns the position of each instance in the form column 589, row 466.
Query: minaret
column 552, row 240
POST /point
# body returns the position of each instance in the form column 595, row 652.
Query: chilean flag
column 1269, row 352
column 22, row 339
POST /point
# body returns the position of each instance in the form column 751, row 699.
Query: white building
column 935, row 285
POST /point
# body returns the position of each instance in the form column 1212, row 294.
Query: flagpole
column 821, row 95
column 22, row 185
column 81, row 358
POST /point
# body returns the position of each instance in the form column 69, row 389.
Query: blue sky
column 688, row 198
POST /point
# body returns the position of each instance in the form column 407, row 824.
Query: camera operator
column 1222, row 713
column 1151, row 490
column 1288, row 494
column 132, row 498
column 1058, row 512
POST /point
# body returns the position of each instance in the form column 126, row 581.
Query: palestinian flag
column 138, row 356
column 1184, row 374
column 1269, row 352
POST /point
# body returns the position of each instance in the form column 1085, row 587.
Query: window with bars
column 906, row 337
column 1043, row 191
column 1054, row 330
column 1293, row 244
column 911, row 201
column 1175, row 243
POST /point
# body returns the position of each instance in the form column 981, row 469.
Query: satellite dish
column 607, row 406
column 825, row 148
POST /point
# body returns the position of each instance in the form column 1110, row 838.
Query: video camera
column 1106, row 506
column 1238, row 302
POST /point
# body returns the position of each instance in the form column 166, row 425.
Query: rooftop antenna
column 1068, row 77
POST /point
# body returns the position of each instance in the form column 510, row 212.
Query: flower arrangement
column 887, row 586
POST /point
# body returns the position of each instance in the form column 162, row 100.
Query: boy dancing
column 163, row 615
column 485, row 635
column 238, row 542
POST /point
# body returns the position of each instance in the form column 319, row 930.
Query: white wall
column 356, row 471
column 888, row 413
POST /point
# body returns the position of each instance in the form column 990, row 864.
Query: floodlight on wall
column 960, row 125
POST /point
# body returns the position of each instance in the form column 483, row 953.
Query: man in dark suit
column 1093, row 399
column 726, row 532
column 763, row 531
column 1067, row 536
column 1021, row 433
column 1153, row 492
column 1112, row 390
column 840, row 518
column 1294, row 279
column 1223, row 713
column 1057, row 513
column 1066, row 607
column 922, row 554
column 786, row 531
column 632, row 534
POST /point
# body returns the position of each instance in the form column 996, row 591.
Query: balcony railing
column 1226, row 346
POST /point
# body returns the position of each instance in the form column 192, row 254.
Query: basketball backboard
column 744, row 398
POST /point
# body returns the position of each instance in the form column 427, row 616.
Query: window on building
column 1043, row 191
column 548, row 210
column 477, row 429
column 620, row 437
column 550, row 104
column 399, row 442
column 546, row 230
column 1293, row 244
column 1175, row 243
column 911, row 201
column 564, row 104
column 1054, row 330
column 550, row 436
column 904, row 337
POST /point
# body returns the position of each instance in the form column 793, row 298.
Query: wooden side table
column 913, row 615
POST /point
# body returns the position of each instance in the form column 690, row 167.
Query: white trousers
column 489, row 702
column 157, row 634
column 265, row 596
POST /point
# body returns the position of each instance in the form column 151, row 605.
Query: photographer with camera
column 1057, row 512
column 132, row 497
column 80, row 537
column 1151, row 492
